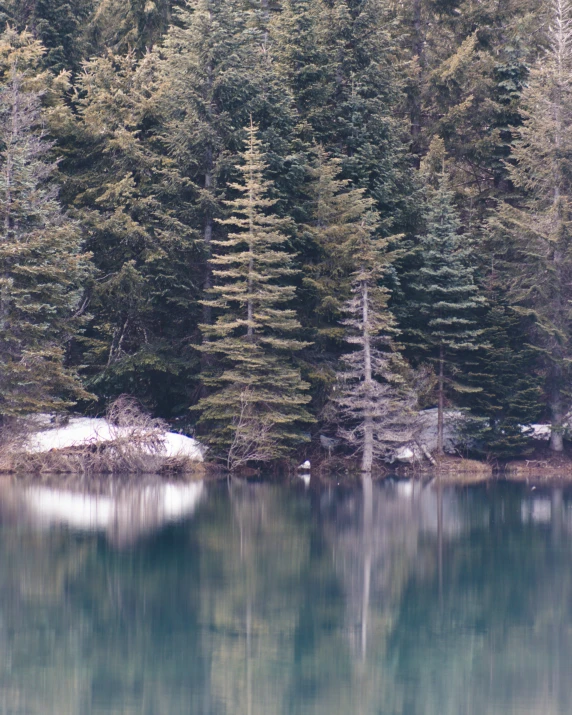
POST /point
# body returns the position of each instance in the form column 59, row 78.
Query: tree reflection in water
column 252, row 599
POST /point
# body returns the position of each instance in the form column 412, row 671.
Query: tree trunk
column 556, row 437
column 207, row 237
column 440, row 450
column 367, row 459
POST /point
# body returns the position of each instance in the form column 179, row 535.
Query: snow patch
column 81, row 431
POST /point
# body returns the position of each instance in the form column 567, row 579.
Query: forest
column 275, row 221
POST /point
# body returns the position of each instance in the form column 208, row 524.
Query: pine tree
column 41, row 264
column 253, row 337
column 374, row 406
column 539, row 249
column 445, row 310
column 344, row 73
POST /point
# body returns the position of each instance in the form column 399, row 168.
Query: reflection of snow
column 86, row 430
column 538, row 510
column 124, row 516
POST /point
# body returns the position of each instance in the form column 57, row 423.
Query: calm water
column 264, row 600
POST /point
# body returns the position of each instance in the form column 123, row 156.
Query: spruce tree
column 374, row 406
column 335, row 210
column 256, row 388
column 538, row 227
column 58, row 24
column 344, row 73
column 445, row 311
column 41, row 264
column 506, row 371
column 136, row 213
column 217, row 70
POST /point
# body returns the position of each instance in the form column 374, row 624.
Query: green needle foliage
column 374, row 407
column 257, row 406
column 42, row 267
column 539, row 228
column 447, row 303
column 510, row 396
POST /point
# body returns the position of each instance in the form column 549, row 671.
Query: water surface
column 264, row 600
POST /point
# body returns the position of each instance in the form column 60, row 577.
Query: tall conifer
column 254, row 335
column 445, row 311
column 374, row 405
column 539, row 228
column 41, row 264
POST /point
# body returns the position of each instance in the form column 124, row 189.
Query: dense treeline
column 271, row 219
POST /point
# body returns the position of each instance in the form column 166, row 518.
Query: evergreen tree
column 374, row 407
column 336, row 211
column 509, row 382
column 253, row 337
column 217, row 71
column 41, row 264
column 129, row 25
column 467, row 65
column 344, row 73
column 136, row 212
column 58, row 24
column 445, row 311
column 539, row 227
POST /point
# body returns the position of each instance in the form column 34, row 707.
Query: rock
column 426, row 442
column 329, row 443
column 305, row 465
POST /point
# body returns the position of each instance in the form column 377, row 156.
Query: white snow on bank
column 538, row 431
column 89, row 430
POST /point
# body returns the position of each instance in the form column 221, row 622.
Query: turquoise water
column 257, row 599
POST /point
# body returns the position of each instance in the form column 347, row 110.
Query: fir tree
column 41, row 265
column 253, row 337
column 375, row 408
column 445, row 311
column 539, row 249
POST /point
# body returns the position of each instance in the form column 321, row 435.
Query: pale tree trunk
column 7, row 199
column 440, row 450
column 249, row 304
column 558, row 413
column 367, row 459
column 207, row 237
column 208, row 223
column 556, row 397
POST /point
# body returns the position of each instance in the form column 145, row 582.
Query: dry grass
column 551, row 467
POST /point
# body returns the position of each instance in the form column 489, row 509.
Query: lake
column 256, row 599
